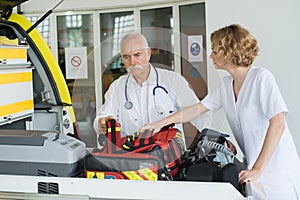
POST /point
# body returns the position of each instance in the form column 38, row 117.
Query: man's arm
column 106, row 111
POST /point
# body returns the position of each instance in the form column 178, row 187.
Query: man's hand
column 102, row 124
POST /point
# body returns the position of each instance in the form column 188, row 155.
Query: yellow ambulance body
column 34, row 93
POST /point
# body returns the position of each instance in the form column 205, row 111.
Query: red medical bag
column 141, row 156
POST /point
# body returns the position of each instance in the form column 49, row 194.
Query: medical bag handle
column 113, row 142
column 141, row 139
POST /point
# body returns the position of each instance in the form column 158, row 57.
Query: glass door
column 76, row 59
column 157, row 26
column 113, row 26
column 193, row 55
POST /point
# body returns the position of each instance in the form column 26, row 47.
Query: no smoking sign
column 76, row 63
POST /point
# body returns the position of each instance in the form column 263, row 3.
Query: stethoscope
column 129, row 105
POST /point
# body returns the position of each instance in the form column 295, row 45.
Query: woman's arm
column 187, row 114
column 274, row 133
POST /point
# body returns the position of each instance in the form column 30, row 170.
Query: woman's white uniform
column 258, row 101
column 147, row 107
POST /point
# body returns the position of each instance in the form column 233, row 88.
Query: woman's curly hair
column 235, row 45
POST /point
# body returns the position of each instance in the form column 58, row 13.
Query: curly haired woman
column 255, row 110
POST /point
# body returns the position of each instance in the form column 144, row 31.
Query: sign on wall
column 195, row 48
column 76, row 63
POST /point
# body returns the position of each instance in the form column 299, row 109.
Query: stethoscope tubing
column 128, row 104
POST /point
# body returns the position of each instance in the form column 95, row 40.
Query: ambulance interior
column 47, row 111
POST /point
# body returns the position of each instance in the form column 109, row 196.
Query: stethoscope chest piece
column 128, row 105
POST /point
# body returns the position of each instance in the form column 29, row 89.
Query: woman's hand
column 248, row 175
column 231, row 147
column 155, row 126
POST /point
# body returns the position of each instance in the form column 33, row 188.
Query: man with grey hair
column 146, row 94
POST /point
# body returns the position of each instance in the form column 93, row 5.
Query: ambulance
column 35, row 99
column 34, row 93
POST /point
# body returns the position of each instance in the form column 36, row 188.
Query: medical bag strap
column 148, row 137
column 138, row 140
column 145, row 138
column 166, row 135
column 113, row 142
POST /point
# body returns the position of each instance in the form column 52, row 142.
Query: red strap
column 114, row 141
column 165, row 135
column 144, row 138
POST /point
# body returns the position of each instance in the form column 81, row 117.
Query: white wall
column 274, row 23
column 276, row 26
column 45, row 5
